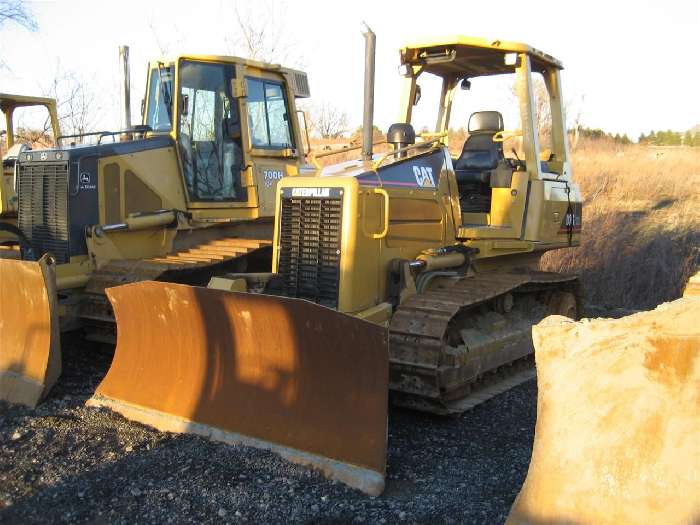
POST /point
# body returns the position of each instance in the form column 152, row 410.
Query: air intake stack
column 401, row 135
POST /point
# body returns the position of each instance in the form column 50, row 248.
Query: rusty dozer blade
column 30, row 348
column 282, row 374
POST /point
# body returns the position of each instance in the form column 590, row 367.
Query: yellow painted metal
column 8, row 104
column 379, row 314
column 229, row 285
column 440, row 262
column 493, row 49
column 30, row 351
column 421, row 219
column 156, row 169
column 149, row 221
column 125, row 245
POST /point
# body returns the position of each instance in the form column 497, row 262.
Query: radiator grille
column 309, row 260
column 43, row 207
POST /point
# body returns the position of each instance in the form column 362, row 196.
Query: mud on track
column 64, row 462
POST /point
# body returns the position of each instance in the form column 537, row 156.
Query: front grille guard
column 43, row 215
column 310, row 240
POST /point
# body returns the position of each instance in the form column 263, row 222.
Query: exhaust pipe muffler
column 368, row 113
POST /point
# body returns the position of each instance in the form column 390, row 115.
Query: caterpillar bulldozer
column 185, row 195
column 11, row 151
column 410, row 275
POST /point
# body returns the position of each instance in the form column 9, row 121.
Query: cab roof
column 229, row 59
column 299, row 80
column 462, row 56
column 7, row 100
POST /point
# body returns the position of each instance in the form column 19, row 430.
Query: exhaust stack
column 368, row 113
column 126, row 87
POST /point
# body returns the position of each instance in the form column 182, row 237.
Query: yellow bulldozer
column 12, row 149
column 188, row 194
column 410, row 275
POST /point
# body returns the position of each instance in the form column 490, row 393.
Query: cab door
column 209, row 136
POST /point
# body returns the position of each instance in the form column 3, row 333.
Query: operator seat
column 481, row 165
column 480, row 154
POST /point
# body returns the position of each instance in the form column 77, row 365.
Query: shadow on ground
column 68, row 463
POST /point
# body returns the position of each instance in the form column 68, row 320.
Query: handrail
column 433, row 135
column 315, row 156
column 80, row 135
column 385, row 230
column 101, row 134
column 419, row 145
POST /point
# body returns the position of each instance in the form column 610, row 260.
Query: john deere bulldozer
column 186, row 195
column 410, row 274
column 11, row 151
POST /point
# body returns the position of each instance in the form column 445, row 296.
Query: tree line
column 671, row 138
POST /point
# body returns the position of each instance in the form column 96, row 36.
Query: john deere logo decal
column 86, row 181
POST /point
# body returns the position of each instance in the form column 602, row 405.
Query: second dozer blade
column 30, row 348
column 276, row 373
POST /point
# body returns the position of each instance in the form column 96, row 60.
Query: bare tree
column 174, row 37
column 78, row 106
column 17, row 11
column 576, row 123
column 261, row 32
column 328, row 121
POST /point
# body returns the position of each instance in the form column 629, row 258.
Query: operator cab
column 501, row 188
column 234, row 125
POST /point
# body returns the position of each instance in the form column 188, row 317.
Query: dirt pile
column 692, row 289
column 617, row 438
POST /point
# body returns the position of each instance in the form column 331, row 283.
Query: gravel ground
column 64, row 462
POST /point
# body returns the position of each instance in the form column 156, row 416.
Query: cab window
column 160, row 89
column 31, row 126
column 268, row 115
column 209, row 133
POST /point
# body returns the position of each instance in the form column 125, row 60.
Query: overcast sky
column 629, row 66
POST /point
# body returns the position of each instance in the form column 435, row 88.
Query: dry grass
column 641, row 233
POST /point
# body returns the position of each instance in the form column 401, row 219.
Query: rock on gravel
column 83, row 465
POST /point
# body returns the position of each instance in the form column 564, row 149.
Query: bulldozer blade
column 282, row 374
column 30, row 348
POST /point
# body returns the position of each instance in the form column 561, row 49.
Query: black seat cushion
column 472, row 176
column 480, row 152
column 477, row 160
